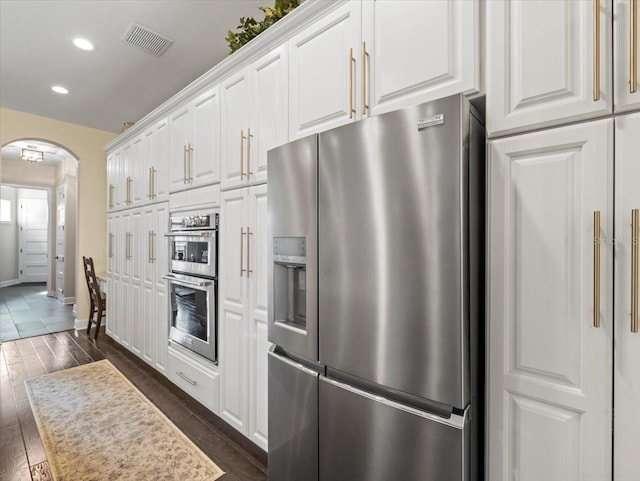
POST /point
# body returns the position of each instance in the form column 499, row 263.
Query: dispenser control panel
column 290, row 250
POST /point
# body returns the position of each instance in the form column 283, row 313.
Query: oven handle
column 180, row 282
column 191, row 234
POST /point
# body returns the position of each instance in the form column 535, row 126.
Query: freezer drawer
column 293, row 421
column 385, row 441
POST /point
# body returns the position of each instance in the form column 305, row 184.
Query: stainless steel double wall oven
column 193, row 281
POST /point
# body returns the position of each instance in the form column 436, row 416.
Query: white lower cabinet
column 243, row 311
column 626, row 361
column 136, row 293
column 550, row 315
column 200, row 381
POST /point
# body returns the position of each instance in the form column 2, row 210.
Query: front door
column 34, row 222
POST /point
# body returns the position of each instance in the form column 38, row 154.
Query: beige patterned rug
column 96, row 426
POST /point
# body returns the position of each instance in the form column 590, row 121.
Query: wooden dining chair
column 98, row 305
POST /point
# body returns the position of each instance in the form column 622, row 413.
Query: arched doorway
column 39, row 191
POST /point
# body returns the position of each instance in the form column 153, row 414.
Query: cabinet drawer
column 199, row 381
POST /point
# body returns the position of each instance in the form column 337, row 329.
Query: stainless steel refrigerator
column 377, row 299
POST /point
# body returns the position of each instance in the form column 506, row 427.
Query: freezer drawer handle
column 293, row 364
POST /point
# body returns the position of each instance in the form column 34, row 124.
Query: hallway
column 26, row 311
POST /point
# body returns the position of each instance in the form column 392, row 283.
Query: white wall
column 9, row 238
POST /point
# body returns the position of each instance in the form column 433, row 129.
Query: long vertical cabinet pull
column 153, row 246
column 249, row 137
column 242, row 234
column 596, row 50
column 127, row 250
column 189, row 162
column 352, row 62
column 249, row 234
column 149, row 247
column 635, row 239
column 149, row 188
column 633, row 47
column 596, row 269
column 242, row 137
column 365, row 56
column 153, row 182
column 110, row 244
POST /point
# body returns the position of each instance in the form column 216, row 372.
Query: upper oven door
column 194, row 253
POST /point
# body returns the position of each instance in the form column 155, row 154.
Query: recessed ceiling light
column 83, row 44
column 60, row 90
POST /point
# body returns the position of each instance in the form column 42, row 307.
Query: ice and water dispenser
column 290, row 271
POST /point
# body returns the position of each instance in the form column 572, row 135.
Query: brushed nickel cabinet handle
column 242, row 234
column 110, row 196
column 352, row 62
column 633, row 50
column 365, row 56
column 153, row 182
column 242, row 138
column 189, row 162
column 596, row 269
column 149, row 247
column 635, row 239
column 596, row 50
column 110, row 244
column 149, row 196
column 249, row 234
column 184, row 164
column 249, row 136
column 153, row 246
column 184, row 376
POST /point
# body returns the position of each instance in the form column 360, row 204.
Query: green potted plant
column 250, row 27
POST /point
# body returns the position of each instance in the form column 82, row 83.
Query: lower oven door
column 192, row 314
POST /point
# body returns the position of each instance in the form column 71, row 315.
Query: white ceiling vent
column 147, row 40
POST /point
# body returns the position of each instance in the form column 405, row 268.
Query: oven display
column 189, row 308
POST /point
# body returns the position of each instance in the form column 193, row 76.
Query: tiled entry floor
column 25, row 311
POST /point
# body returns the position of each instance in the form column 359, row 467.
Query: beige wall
column 87, row 145
column 9, row 239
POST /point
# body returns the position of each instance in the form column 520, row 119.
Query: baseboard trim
column 11, row 282
column 80, row 324
column 68, row 300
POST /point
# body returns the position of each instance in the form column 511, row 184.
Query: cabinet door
column 624, row 37
column 235, row 93
column 111, row 179
column 626, row 359
column 178, row 129
column 138, row 252
column 417, row 51
column 125, row 177
column 160, row 327
column 325, row 72
column 159, row 162
column 549, row 366
column 269, row 115
column 137, row 171
column 146, row 320
column 258, row 344
column 233, row 325
column 542, row 63
column 203, row 165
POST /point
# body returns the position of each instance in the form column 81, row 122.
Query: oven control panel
column 195, row 221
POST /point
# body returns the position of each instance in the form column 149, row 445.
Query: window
column 5, row 211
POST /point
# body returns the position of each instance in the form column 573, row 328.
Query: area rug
column 96, row 426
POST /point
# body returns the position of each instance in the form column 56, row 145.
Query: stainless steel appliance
column 388, row 341
column 193, row 289
column 193, row 243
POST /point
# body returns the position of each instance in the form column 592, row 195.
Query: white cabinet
column 543, row 66
column 369, row 57
column 243, row 312
column 201, row 381
column 323, row 72
column 627, row 343
column 254, row 118
column 626, row 46
column 154, row 324
column 194, row 142
column 549, row 356
column 155, row 165
column 116, row 177
column 413, row 52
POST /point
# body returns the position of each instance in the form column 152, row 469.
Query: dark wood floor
column 21, row 450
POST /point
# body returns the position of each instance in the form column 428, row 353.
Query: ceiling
column 116, row 82
column 53, row 154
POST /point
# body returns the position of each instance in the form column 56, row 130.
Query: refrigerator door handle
column 455, row 421
column 291, row 363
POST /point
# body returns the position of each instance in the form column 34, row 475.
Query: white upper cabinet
column 626, row 46
column 543, row 66
column 323, row 73
column 550, row 316
column 194, row 142
column 136, row 191
column 627, row 354
column 413, row 52
column 155, row 175
column 254, row 118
